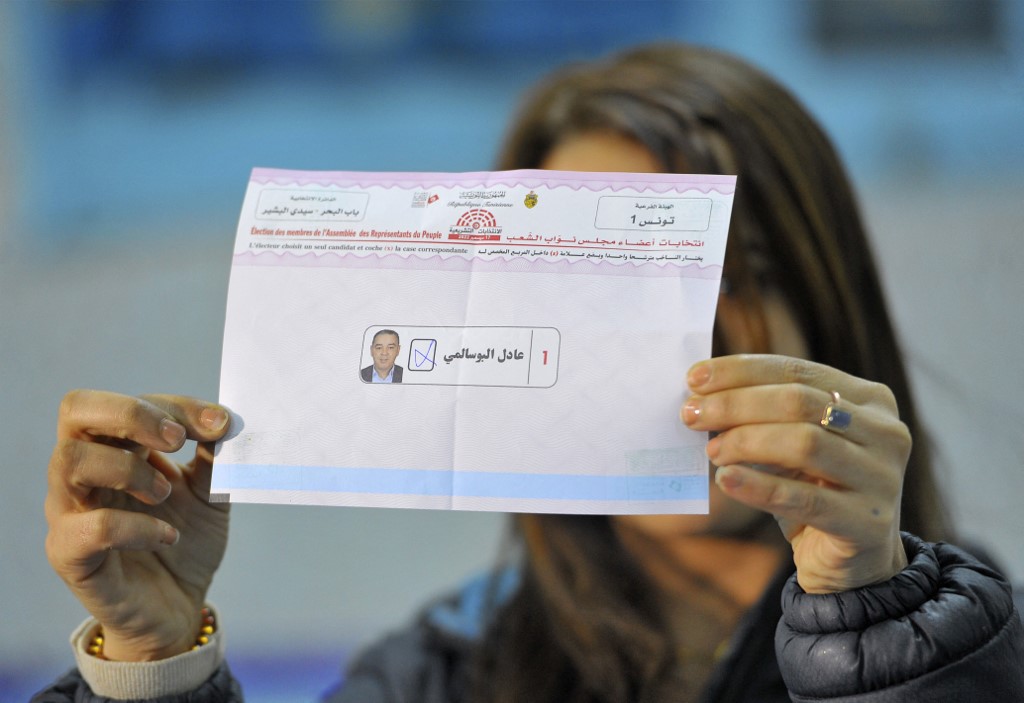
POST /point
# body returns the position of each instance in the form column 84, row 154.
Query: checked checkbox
column 421, row 354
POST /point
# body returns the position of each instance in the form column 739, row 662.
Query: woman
column 633, row 608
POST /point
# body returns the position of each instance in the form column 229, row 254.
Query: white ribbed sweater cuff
column 135, row 680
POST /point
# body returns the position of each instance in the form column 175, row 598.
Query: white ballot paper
column 534, row 330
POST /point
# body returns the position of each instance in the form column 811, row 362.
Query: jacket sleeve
column 405, row 667
column 72, row 688
column 944, row 629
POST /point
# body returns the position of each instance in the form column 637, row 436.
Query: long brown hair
column 584, row 625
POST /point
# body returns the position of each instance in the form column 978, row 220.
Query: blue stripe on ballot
column 478, row 484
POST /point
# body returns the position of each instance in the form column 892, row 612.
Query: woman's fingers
column 779, row 423
column 787, row 499
column 161, row 422
column 799, row 447
column 841, row 539
column 78, row 543
column 834, row 490
column 104, row 441
column 87, row 414
column 762, row 404
column 106, row 530
column 206, row 423
column 812, row 449
column 116, row 501
column 203, row 421
column 746, row 370
column 78, row 468
column 798, row 502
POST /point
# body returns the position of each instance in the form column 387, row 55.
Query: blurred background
column 127, row 132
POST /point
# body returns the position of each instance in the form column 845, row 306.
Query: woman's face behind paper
column 611, row 152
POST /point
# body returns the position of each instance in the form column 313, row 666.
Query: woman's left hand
column 835, row 494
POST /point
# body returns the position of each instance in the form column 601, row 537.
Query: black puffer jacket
column 945, row 629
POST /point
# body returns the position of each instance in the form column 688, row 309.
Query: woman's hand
column 836, row 495
column 131, row 532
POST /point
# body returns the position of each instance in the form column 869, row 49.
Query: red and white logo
column 477, row 219
column 477, row 224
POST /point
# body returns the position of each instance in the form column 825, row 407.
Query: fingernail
column 713, row 447
column 170, row 535
column 699, row 375
column 728, row 478
column 161, row 487
column 692, row 410
column 213, row 419
column 172, row 432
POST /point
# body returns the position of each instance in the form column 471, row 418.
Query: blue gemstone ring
column 834, row 419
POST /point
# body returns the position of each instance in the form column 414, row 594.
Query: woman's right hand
column 132, row 533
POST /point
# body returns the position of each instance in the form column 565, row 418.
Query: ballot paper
column 534, row 330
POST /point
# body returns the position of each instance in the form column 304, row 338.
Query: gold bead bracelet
column 207, row 626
